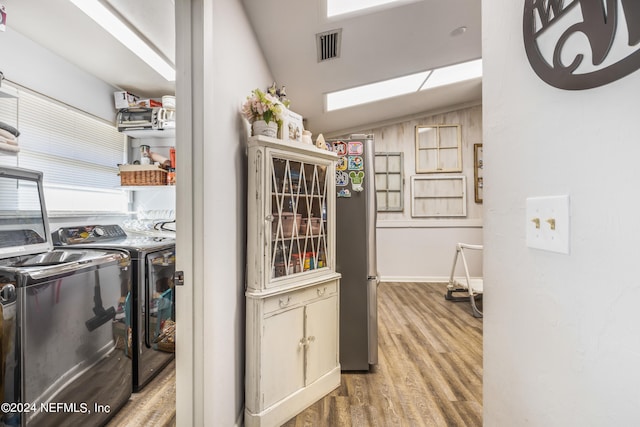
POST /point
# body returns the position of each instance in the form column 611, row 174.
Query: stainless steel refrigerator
column 356, row 251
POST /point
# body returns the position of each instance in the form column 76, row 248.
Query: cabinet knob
column 269, row 218
column 304, row 342
column 284, row 302
column 321, row 291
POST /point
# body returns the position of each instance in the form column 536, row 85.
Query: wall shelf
column 147, row 187
column 150, row 133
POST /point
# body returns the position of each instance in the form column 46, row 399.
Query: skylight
column 454, row 74
column 340, row 7
column 403, row 85
column 375, row 91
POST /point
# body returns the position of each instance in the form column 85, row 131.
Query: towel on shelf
column 7, row 135
column 9, row 148
column 10, row 141
column 15, row 132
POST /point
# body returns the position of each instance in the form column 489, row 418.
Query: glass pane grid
column 443, row 154
column 298, row 231
column 438, row 196
column 389, row 180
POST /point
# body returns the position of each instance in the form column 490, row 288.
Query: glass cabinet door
column 298, row 216
column 160, row 296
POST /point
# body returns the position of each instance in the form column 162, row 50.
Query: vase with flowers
column 264, row 111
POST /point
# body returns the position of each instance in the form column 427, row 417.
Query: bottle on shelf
column 172, row 157
column 145, row 155
column 171, row 177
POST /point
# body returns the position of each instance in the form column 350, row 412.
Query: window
column 389, row 182
column 339, row 7
column 77, row 153
column 438, row 196
column 438, row 149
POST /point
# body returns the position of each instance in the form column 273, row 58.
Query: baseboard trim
column 419, row 279
column 430, row 223
column 295, row 403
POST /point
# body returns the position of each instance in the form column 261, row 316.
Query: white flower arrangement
column 262, row 106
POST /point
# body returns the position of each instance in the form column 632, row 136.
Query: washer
column 62, row 351
column 150, row 304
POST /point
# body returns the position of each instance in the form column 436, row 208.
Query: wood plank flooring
column 154, row 405
column 429, row 371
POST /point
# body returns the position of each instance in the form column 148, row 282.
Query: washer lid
column 60, row 263
column 24, row 228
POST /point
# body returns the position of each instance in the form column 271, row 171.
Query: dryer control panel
column 88, row 234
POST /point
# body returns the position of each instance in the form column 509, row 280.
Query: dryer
column 150, row 303
column 62, row 351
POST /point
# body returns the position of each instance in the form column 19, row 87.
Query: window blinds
column 74, row 151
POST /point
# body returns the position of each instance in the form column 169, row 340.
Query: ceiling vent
column 328, row 44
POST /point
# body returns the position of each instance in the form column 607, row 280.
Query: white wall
column 424, row 253
column 30, row 65
column 230, row 67
column 561, row 332
column 36, row 68
column 422, row 249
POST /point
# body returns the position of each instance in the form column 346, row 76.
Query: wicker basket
column 166, row 341
column 142, row 175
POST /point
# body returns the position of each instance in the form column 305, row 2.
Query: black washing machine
column 62, row 338
column 150, row 305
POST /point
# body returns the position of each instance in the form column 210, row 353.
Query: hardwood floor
column 154, row 405
column 429, row 371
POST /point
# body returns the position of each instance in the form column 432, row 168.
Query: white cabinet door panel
column 322, row 325
column 283, row 356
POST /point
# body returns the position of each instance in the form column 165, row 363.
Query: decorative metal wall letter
column 565, row 25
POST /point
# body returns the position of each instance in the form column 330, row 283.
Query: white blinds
column 74, row 151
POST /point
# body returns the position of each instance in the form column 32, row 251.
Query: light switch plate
column 548, row 223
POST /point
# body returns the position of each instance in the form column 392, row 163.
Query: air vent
column 328, row 44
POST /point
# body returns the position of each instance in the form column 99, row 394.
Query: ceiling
column 74, row 36
column 382, row 43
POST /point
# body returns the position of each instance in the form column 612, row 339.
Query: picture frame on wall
column 438, row 148
column 438, row 196
column 478, row 167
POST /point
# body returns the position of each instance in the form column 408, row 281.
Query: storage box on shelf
column 124, row 99
column 292, row 126
column 292, row 286
column 142, row 175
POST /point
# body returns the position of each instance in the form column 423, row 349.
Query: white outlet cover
column 548, row 223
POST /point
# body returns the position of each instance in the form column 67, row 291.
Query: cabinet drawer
column 301, row 296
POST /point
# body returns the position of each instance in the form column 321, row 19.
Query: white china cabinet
column 292, row 287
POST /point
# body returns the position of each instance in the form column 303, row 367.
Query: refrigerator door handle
column 372, row 310
column 371, row 209
column 372, row 267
